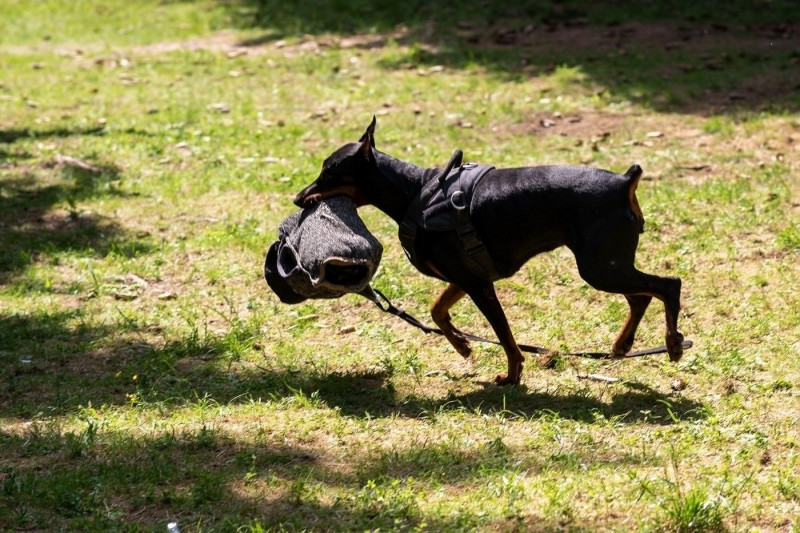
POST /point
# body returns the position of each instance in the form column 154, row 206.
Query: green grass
column 148, row 151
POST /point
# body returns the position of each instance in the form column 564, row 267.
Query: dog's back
column 529, row 210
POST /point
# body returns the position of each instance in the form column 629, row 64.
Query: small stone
column 678, row 385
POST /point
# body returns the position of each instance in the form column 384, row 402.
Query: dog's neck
column 400, row 183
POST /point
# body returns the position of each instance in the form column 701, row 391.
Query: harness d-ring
column 458, row 201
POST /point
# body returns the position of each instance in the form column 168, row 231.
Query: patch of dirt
column 686, row 50
column 223, row 41
column 594, row 124
column 229, row 43
column 622, row 38
column 630, row 35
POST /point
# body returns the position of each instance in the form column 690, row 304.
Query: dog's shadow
column 373, row 395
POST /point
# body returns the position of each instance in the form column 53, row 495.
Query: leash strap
column 384, row 304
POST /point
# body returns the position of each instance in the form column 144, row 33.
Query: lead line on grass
column 598, row 377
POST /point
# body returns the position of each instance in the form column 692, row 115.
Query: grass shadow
column 57, row 363
column 30, row 226
column 39, row 213
column 77, row 364
column 369, row 396
column 100, row 476
column 12, row 135
column 676, row 56
column 46, row 364
column 99, row 479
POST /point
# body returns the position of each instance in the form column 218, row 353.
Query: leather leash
column 383, row 303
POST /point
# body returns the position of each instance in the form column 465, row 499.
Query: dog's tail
column 632, row 176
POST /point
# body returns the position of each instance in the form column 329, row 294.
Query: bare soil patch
column 669, row 35
column 678, row 50
column 592, row 124
column 230, row 43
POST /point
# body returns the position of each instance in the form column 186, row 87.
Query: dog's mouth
column 306, row 200
column 312, row 195
column 308, row 196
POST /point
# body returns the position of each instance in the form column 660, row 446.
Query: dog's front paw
column 462, row 345
column 514, row 372
column 617, row 353
column 621, row 348
column 504, row 379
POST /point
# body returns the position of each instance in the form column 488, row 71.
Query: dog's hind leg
column 638, row 305
column 485, row 298
column 440, row 312
column 605, row 258
column 639, row 288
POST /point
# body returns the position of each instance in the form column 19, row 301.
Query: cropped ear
column 370, row 133
column 365, row 149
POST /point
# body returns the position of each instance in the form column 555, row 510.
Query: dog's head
column 345, row 172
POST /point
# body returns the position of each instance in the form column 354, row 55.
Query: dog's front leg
column 485, row 298
column 440, row 312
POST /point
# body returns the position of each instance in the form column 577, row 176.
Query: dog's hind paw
column 675, row 347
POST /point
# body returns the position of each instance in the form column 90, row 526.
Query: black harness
column 444, row 204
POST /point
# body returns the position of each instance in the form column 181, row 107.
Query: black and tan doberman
column 517, row 213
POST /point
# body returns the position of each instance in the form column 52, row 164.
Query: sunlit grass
column 147, row 375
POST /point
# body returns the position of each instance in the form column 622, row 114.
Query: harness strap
column 407, row 230
column 383, row 303
column 470, row 241
column 459, row 203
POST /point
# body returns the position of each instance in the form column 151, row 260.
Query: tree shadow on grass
column 60, row 363
column 101, row 476
column 75, row 364
column 12, row 135
column 46, row 366
column 676, row 56
column 94, row 478
column 39, row 213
